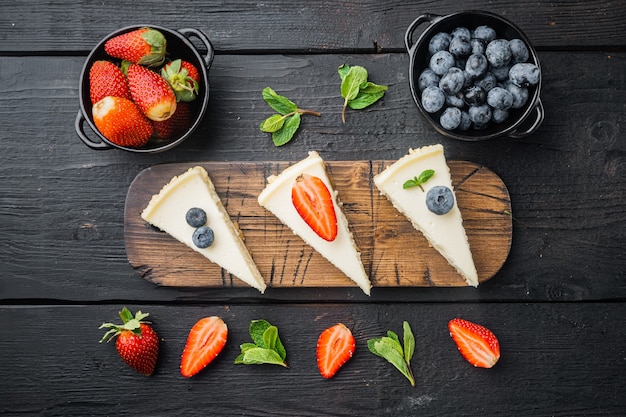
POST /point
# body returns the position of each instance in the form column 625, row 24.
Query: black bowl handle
column 79, row 125
column 539, row 115
column 425, row 18
column 210, row 52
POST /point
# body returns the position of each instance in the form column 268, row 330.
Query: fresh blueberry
column 450, row 118
column 469, row 79
column 480, row 115
column 524, row 74
column 519, row 51
column 452, row 81
column 441, row 62
column 520, row 94
column 461, row 32
column 440, row 199
column 500, row 98
column 476, row 65
column 501, row 73
column 478, row 46
column 499, row 116
column 439, row 42
column 498, row 52
column 466, row 122
column 433, row 99
column 475, row 95
column 427, row 78
column 460, row 47
column 484, row 33
column 203, row 237
column 455, row 100
column 196, row 217
column 487, row 81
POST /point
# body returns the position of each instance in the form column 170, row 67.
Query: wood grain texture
column 561, row 359
column 392, row 251
column 267, row 27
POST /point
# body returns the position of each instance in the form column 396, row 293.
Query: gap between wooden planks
column 392, row 251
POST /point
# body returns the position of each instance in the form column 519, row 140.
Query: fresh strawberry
column 137, row 343
column 107, row 79
column 205, row 341
column 477, row 344
column 121, row 122
column 175, row 125
column 151, row 93
column 313, row 202
column 334, row 347
column 184, row 79
column 145, row 46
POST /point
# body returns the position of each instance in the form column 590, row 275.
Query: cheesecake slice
column 442, row 223
column 338, row 247
column 194, row 190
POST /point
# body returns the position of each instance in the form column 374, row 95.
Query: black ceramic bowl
column 521, row 122
column 179, row 45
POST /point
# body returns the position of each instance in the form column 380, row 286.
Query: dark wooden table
column 557, row 305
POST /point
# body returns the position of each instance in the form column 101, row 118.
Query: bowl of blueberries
column 475, row 76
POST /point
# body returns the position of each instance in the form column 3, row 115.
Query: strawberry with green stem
column 183, row 77
column 144, row 46
column 136, row 341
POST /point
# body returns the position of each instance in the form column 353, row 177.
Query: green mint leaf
column 363, row 100
column 257, row 329
column 409, row 342
column 270, row 335
column 272, row 123
column 419, row 180
column 258, row 356
column 247, row 346
column 393, row 335
column 343, row 70
column 351, row 83
column 384, row 347
column 279, row 103
column 284, row 135
column 371, row 88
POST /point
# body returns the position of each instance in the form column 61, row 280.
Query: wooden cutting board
column 393, row 252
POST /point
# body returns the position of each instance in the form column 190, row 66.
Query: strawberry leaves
column 282, row 126
column 358, row 93
column 266, row 346
column 398, row 354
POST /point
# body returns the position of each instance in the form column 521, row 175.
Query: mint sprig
column 419, row 180
column 358, row 93
column 266, row 346
column 285, row 123
column 399, row 355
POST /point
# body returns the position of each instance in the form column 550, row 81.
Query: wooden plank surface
column 558, row 359
column 392, row 251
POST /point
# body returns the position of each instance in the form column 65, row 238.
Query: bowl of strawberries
column 144, row 89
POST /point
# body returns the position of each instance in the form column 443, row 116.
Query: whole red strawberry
column 175, row 125
column 151, row 93
column 145, row 46
column 107, row 79
column 137, row 343
column 184, row 78
column 120, row 121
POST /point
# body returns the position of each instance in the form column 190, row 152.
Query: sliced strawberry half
column 313, row 202
column 206, row 340
column 334, row 347
column 477, row 344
